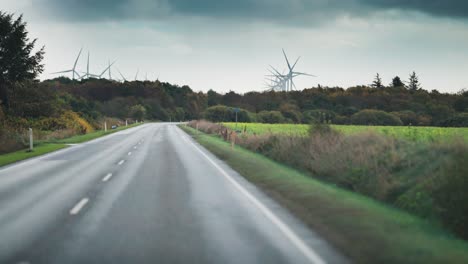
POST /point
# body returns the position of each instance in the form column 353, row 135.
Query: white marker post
column 31, row 143
column 126, row 122
column 105, row 126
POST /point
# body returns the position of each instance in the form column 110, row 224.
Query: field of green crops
column 412, row 133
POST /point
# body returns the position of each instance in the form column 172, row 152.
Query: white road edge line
column 309, row 253
column 108, row 176
column 121, row 162
column 77, row 208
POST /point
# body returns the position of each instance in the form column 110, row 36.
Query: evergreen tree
column 17, row 60
column 377, row 83
column 414, row 82
column 396, row 82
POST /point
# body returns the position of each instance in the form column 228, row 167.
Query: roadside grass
column 44, row 147
column 363, row 229
column 40, row 149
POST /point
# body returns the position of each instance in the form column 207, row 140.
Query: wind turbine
column 103, row 72
column 72, row 70
column 291, row 74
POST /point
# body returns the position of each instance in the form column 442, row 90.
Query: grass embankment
column 363, row 229
column 44, row 147
column 41, row 149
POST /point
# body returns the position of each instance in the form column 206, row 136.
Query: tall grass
column 424, row 178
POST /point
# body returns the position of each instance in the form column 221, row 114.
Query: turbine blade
column 303, row 73
column 77, row 58
column 61, row 72
column 295, row 63
column 287, row 61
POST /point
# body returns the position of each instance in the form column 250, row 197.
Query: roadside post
column 236, row 110
column 126, row 122
column 31, row 143
column 105, row 126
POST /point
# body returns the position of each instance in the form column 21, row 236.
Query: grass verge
column 361, row 228
column 45, row 147
column 41, row 149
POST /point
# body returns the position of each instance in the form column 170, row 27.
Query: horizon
column 228, row 47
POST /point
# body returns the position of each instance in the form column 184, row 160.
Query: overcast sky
column 227, row 45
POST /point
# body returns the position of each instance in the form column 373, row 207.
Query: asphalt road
column 148, row 194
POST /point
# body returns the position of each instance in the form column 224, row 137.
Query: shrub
column 73, row 121
column 407, row 117
column 221, row 113
column 270, row 117
column 11, row 140
column 319, row 116
column 450, row 191
column 376, row 118
column 457, row 120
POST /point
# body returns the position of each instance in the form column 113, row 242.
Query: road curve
column 149, row 194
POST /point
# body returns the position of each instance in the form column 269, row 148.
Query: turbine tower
column 72, row 70
column 110, row 74
column 136, row 75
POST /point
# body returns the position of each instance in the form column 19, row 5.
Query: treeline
column 98, row 98
column 362, row 105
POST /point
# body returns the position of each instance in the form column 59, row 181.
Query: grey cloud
column 269, row 10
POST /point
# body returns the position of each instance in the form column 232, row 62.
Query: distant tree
column 414, row 84
column 17, row 62
column 377, row 83
column 396, row 82
column 213, row 98
column 138, row 112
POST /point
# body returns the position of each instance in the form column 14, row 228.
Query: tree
column 377, row 83
column 396, row 82
column 17, row 60
column 414, row 82
column 138, row 112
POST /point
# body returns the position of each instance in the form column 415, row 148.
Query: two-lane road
column 148, row 194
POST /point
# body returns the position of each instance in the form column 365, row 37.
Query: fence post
column 31, row 143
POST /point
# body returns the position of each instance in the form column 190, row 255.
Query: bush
column 457, row 120
column 376, row 118
column 270, row 117
column 319, row 116
column 11, row 140
column 73, row 121
column 450, row 191
column 407, row 117
column 221, row 113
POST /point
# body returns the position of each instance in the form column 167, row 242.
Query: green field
column 413, row 133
